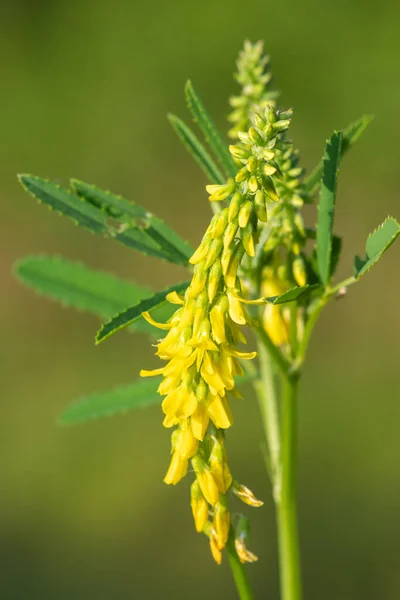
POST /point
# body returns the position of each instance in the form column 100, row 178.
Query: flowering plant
column 257, row 267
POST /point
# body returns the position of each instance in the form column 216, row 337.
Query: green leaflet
column 131, row 314
column 350, row 136
column 326, row 206
column 78, row 286
column 293, row 294
column 131, row 214
column 377, row 243
column 197, row 150
column 140, row 394
column 213, row 138
column 90, row 216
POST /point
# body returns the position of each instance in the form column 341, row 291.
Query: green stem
column 289, row 556
column 312, row 319
column 268, row 402
column 283, row 364
column 238, row 571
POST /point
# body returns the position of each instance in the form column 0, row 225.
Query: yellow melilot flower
column 200, row 347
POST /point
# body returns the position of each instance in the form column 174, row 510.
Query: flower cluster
column 201, row 346
column 255, row 78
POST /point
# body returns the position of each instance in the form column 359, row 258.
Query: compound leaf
column 377, row 243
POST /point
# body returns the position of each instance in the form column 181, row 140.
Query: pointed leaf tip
column 131, row 314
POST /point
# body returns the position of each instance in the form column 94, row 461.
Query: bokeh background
column 85, row 91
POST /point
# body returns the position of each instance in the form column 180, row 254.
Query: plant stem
column 268, row 402
column 238, row 571
column 289, row 556
column 279, row 358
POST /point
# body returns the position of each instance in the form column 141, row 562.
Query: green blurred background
column 85, row 90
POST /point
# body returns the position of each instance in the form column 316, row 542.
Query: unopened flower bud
column 252, row 164
column 242, row 175
column 254, row 135
column 214, row 279
column 299, row 271
column 245, row 213
column 213, row 252
column 221, row 522
column 220, row 192
column 217, row 461
column 218, row 226
column 253, row 183
column 248, row 240
column 281, row 125
column 238, row 152
column 234, row 206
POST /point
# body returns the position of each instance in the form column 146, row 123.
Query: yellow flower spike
column 199, row 422
column 214, row 279
column 186, row 443
column 147, row 316
column 199, row 507
column 174, row 298
column 219, row 411
column 245, row 213
column 245, row 494
column 153, row 373
column 235, row 309
column 206, row 481
column 177, row 469
column 221, row 522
